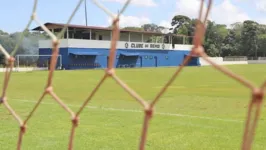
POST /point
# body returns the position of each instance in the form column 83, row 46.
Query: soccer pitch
column 202, row 109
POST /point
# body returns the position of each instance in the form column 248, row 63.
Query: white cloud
column 223, row 13
column 227, row 13
column 131, row 21
column 261, row 5
column 187, row 7
column 261, row 20
column 148, row 3
column 165, row 24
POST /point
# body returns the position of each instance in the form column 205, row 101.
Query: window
column 86, row 36
column 93, row 36
column 151, row 57
column 166, row 57
column 100, row 37
column 146, row 57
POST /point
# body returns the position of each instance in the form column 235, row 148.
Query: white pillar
column 67, row 33
column 129, row 37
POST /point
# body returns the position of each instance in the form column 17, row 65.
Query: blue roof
column 85, row 53
column 129, row 54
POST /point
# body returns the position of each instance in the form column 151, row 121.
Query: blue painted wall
column 146, row 58
column 48, row 51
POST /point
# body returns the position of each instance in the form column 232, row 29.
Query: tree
column 29, row 44
column 2, row 60
column 152, row 28
column 262, row 45
column 3, row 33
column 237, row 27
column 180, row 25
column 240, row 39
column 249, row 38
column 7, row 42
column 230, row 46
column 221, row 33
column 215, row 35
column 262, row 29
column 133, row 28
column 180, row 21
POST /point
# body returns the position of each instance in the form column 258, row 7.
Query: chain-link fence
column 253, row 109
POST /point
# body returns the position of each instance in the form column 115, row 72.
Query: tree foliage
column 181, row 24
column 246, row 38
column 152, row 28
column 29, row 44
column 249, row 38
column 133, row 28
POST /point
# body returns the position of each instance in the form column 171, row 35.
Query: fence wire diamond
column 253, row 109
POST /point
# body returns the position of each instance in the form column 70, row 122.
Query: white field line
column 139, row 111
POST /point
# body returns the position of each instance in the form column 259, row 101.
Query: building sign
column 144, row 45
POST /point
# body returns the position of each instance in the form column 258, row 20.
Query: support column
column 67, row 33
column 74, row 32
column 142, row 37
column 129, row 37
column 90, row 34
column 171, row 39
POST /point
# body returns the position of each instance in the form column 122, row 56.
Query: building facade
column 85, row 47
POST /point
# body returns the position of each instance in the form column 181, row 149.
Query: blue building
column 84, row 47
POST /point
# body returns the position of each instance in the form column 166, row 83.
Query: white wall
column 219, row 61
column 79, row 43
column 15, row 69
column 256, row 61
column 105, row 35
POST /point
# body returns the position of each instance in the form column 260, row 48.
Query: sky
column 15, row 14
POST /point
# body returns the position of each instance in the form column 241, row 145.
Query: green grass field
column 202, row 110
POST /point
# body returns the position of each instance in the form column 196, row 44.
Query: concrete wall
column 146, row 62
column 24, row 69
column 79, row 43
column 144, row 58
column 219, row 60
column 99, row 58
column 256, row 61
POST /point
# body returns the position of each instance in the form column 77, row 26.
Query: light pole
column 86, row 12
